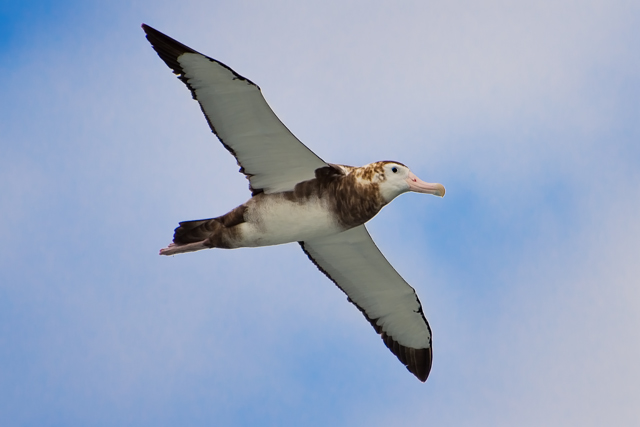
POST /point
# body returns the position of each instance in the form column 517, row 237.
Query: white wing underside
column 356, row 265
column 272, row 157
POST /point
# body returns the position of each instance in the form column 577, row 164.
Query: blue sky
column 528, row 269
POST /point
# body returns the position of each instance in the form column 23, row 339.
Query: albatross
column 298, row 197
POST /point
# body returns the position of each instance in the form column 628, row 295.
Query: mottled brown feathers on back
column 352, row 200
column 368, row 172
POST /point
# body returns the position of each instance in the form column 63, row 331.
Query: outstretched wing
column 271, row 157
column 353, row 262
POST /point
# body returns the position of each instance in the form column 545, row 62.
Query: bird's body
column 337, row 199
column 297, row 197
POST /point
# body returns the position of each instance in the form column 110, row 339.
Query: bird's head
column 394, row 178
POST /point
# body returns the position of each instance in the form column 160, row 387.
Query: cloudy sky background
column 528, row 270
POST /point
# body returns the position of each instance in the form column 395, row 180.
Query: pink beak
column 419, row 186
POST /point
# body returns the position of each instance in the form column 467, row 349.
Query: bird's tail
column 195, row 231
column 206, row 233
column 190, row 236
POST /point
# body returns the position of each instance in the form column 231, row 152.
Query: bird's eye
column 394, row 169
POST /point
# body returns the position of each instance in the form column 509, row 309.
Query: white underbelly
column 276, row 220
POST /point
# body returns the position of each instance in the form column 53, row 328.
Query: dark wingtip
column 150, row 30
column 418, row 361
column 426, row 365
column 168, row 49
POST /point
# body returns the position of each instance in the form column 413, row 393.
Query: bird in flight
column 298, row 197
